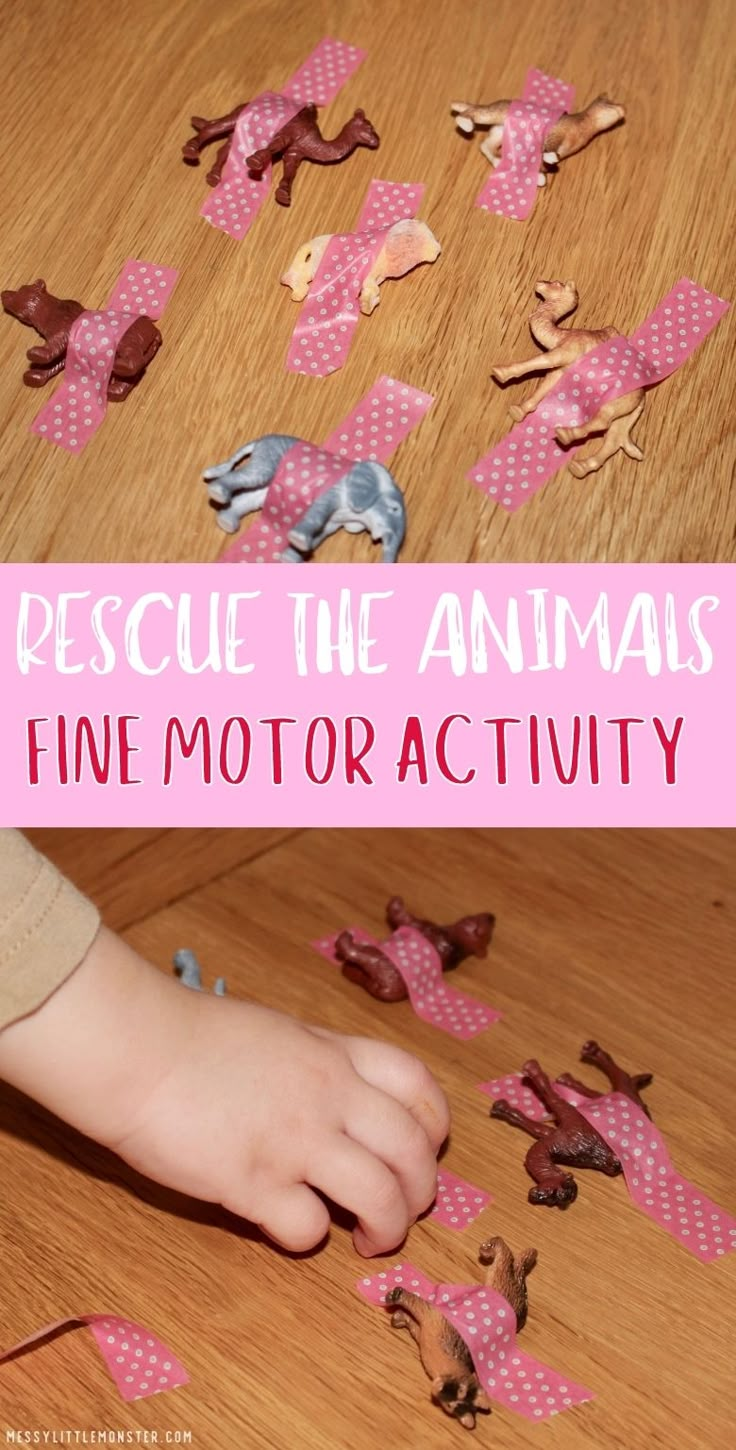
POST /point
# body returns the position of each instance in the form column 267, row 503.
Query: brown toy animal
column 568, row 1139
column 299, row 140
column 621, row 1081
column 564, row 345
column 444, row 1354
column 573, row 131
column 53, row 317
column 468, row 937
column 371, row 969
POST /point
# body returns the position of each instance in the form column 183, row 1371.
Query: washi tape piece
column 512, row 187
column 329, row 316
column 678, row 1206
column 419, row 966
column 235, row 202
column 139, row 1363
column 75, row 412
column 458, row 1203
column 529, row 456
column 374, row 429
column 486, row 1322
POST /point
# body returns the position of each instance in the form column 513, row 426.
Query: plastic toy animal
column 468, row 937
column 563, row 347
column 300, row 139
column 189, row 972
column 571, row 133
column 621, row 1081
column 444, row 1354
column 365, row 497
column 53, row 318
column 406, row 244
column 568, row 1139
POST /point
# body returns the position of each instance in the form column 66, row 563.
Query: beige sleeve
column 46, row 927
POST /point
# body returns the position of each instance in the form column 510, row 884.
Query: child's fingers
column 389, row 1131
column 360, row 1182
column 295, row 1217
column 405, row 1078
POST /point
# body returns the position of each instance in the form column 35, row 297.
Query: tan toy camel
column 407, row 243
column 564, row 345
column 571, row 133
column 444, row 1354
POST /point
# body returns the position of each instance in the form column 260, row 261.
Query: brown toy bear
column 53, row 318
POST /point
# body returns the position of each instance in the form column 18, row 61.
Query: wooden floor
column 629, row 936
column 97, row 100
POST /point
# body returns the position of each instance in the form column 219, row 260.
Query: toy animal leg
column 516, row 1119
column 416, row 1311
column 207, row 132
column 542, row 1087
column 37, row 377
column 118, row 388
column 243, row 504
column 370, row 295
column 519, row 411
column 617, row 439
column 48, row 352
column 292, row 160
column 557, row 357
column 314, row 525
column 214, row 175
column 492, row 146
column 619, row 408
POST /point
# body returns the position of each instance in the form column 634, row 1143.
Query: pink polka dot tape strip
column 458, row 1203
column 526, row 459
column 79, row 405
column 234, row 204
column 654, row 1184
column 419, row 965
column 487, row 1324
column 511, row 189
column 139, row 1363
column 376, row 426
column 321, row 339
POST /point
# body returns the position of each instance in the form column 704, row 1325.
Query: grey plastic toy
column 189, row 972
column 366, row 498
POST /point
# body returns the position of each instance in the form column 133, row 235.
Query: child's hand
column 234, row 1103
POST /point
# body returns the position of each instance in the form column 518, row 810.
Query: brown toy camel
column 621, row 1081
column 371, row 969
column 299, row 140
column 564, row 345
column 444, row 1354
column 568, row 1138
column 468, row 937
column 53, row 317
column 573, row 131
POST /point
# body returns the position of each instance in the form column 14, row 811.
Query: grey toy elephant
column 366, row 497
column 189, row 972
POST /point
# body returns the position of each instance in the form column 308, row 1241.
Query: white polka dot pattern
column 432, row 999
column 376, row 426
column 513, row 1089
column 511, row 189
column 513, row 471
column 677, row 1205
column 324, row 72
column 139, row 1363
column 79, row 405
column 233, row 205
column 487, row 1324
column 458, row 1203
column 321, row 338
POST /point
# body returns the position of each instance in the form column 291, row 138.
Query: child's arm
column 234, row 1103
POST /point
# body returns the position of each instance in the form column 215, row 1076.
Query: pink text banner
column 427, row 695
